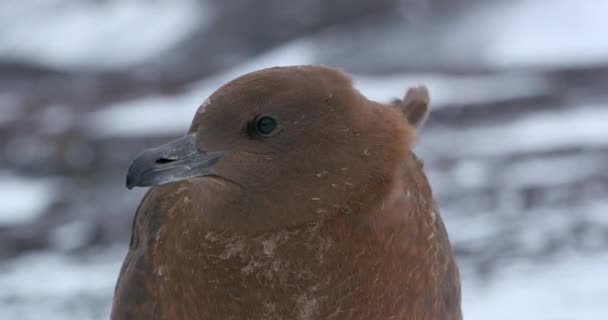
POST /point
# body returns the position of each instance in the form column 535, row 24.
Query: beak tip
column 130, row 183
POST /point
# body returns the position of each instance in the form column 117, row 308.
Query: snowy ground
column 573, row 287
column 82, row 25
column 518, row 156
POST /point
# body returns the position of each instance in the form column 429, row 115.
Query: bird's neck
column 345, row 256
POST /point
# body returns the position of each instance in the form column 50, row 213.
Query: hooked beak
column 177, row 160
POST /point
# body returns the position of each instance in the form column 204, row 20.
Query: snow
column 552, row 171
column 573, row 287
column 48, row 274
column 470, row 174
column 556, row 222
column 542, row 172
column 531, row 229
column 51, row 285
column 71, row 235
column 474, row 227
column 150, row 115
column 23, row 199
column 73, row 34
column 520, row 34
column 580, row 126
column 528, row 33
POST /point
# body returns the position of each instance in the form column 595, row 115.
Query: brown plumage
column 291, row 197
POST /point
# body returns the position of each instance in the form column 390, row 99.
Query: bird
column 291, row 196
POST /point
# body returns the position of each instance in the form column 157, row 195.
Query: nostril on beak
column 164, row 161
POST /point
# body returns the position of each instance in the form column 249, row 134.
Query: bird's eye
column 266, row 126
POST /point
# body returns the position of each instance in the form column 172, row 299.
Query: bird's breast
column 312, row 272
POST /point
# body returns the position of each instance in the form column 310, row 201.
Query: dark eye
column 265, row 125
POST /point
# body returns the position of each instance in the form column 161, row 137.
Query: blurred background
column 516, row 146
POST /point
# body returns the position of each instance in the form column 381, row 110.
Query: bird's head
column 290, row 139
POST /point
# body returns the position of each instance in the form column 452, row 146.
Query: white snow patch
column 551, row 172
column 532, row 229
column 470, row 174
column 72, row 34
column 598, row 210
column 59, row 286
column 537, row 172
column 583, row 126
column 529, row 33
column 154, row 115
column 50, row 274
column 472, row 227
column 70, row 235
column 23, row 199
column 173, row 114
column 573, row 287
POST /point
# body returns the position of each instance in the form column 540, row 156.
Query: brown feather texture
column 292, row 196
